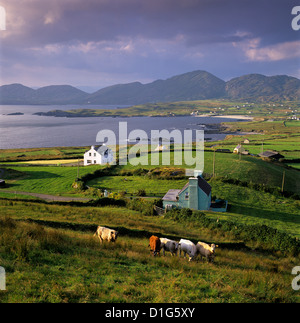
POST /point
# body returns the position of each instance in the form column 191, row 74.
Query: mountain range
column 196, row 85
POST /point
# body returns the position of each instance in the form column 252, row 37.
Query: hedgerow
column 269, row 238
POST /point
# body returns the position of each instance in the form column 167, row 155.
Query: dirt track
column 48, row 197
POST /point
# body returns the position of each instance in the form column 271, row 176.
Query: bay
column 32, row 131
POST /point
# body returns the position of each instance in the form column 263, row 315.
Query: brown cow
column 154, row 244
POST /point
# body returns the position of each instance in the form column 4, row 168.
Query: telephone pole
column 214, row 161
column 282, row 185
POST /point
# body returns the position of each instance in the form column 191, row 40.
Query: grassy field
column 44, row 179
column 281, row 136
column 36, row 154
column 200, row 107
column 50, row 254
column 59, row 260
column 58, row 180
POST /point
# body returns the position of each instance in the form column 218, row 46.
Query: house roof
column 270, row 154
column 171, row 195
column 202, row 183
column 184, row 187
column 100, row 149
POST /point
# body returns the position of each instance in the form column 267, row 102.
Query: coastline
column 233, row 116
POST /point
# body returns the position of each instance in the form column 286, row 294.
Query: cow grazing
column 169, row 245
column 154, row 244
column 206, row 250
column 106, row 234
column 188, row 247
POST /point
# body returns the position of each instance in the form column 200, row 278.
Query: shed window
column 186, row 195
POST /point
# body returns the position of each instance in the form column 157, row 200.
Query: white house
column 98, row 155
column 239, row 149
column 160, row 148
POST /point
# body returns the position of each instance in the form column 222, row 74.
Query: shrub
column 141, row 205
column 141, row 192
column 266, row 236
column 78, row 185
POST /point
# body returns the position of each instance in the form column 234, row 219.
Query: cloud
column 144, row 40
column 36, row 22
column 282, row 51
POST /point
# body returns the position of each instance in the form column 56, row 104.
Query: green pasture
column 250, row 206
column 244, row 168
column 44, row 179
column 56, row 259
column 34, row 154
column 132, row 184
column 58, row 179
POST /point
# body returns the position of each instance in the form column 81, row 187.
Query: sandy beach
column 233, row 116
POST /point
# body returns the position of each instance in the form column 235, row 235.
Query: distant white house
column 98, row 155
column 160, row 148
column 239, row 149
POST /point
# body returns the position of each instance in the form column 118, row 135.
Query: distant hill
column 55, row 94
column 197, row 85
column 262, row 88
column 60, row 94
column 16, row 94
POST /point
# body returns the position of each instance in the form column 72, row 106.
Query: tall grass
column 55, row 265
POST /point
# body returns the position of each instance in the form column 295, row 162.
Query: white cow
column 188, row 247
column 106, row 234
column 206, row 250
column 169, row 245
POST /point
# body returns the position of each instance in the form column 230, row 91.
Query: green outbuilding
column 196, row 195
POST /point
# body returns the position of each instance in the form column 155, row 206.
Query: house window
column 94, row 154
column 186, row 195
column 94, row 161
column 90, row 154
column 89, row 161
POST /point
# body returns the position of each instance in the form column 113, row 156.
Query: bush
column 141, row 192
column 141, row 205
column 78, row 185
column 266, row 236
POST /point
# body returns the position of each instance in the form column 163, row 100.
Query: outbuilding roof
column 270, row 154
column 171, row 195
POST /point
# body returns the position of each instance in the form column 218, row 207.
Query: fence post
column 2, row 279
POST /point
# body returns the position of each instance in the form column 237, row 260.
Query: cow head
column 213, row 247
column 176, row 246
column 113, row 236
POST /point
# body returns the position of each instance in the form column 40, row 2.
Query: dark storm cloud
column 201, row 20
column 127, row 40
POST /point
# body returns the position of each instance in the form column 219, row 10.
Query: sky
column 91, row 44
